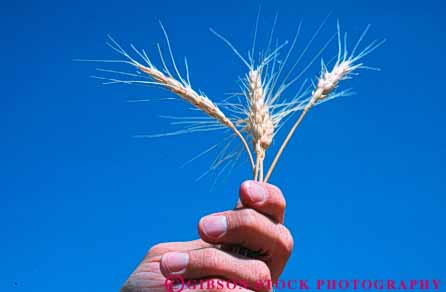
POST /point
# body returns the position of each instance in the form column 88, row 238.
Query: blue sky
column 82, row 200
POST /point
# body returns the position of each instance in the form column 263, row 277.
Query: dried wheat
column 329, row 80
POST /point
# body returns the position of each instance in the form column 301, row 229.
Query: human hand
column 257, row 224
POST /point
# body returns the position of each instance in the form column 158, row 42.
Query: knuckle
column 278, row 196
column 246, row 219
column 157, row 249
column 286, row 239
column 262, row 272
column 281, row 203
column 209, row 258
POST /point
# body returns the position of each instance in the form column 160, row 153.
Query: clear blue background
column 82, row 201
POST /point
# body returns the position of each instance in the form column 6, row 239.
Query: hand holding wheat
column 259, row 227
column 255, row 122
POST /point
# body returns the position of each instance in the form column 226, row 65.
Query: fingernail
column 175, row 262
column 256, row 192
column 214, row 226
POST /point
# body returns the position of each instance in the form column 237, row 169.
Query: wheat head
column 187, row 93
column 260, row 123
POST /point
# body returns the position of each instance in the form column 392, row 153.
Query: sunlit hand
column 257, row 224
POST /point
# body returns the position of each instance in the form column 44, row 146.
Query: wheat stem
column 261, row 170
column 256, row 170
column 245, row 144
column 287, row 139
